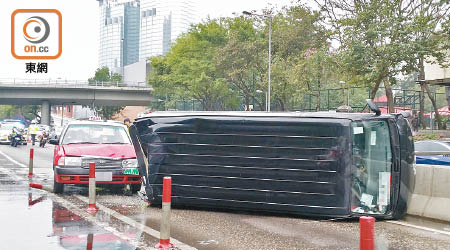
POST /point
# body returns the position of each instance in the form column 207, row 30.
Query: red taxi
column 107, row 144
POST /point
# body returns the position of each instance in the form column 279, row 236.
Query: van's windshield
column 371, row 168
column 95, row 134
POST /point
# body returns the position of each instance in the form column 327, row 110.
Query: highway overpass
column 62, row 92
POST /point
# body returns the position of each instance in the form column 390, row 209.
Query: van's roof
column 322, row 114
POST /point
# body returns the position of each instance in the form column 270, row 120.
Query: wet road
column 125, row 222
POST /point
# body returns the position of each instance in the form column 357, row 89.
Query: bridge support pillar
column 45, row 113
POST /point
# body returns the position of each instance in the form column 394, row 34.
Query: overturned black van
column 315, row 164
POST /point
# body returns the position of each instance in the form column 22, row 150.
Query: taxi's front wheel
column 58, row 188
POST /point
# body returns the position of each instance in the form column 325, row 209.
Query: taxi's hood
column 101, row 150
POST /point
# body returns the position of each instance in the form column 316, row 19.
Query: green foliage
column 189, row 71
column 28, row 112
column 221, row 62
column 426, row 136
column 103, row 75
column 224, row 62
column 8, row 111
column 108, row 112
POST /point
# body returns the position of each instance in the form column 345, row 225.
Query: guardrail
column 58, row 83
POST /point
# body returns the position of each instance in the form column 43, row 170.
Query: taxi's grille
column 102, row 163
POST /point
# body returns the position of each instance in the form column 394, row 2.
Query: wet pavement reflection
column 31, row 219
column 73, row 232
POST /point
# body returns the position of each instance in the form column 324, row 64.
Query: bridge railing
column 58, row 83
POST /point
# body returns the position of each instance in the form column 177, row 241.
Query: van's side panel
column 258, row 163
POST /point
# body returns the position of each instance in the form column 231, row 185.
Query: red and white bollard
column 30, row 163
column 90, row 241
column 92, row 207
column 164, row 238
column 366, row 240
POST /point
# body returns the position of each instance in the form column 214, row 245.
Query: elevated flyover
column 73, row 92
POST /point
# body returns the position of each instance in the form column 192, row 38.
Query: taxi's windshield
column 95, row 134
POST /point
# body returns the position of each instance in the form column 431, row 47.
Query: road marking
column 128, row 220
column 72, row 207
column 12, row 160
column 150, row 231
column 419, row 227
column 208, row 242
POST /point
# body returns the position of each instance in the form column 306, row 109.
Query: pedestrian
column 415, row 123
column 127, row 122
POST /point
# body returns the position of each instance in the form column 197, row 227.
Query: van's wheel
column 58, row 188
column 135, row 188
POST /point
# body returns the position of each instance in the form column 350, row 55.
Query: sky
column 79, row 58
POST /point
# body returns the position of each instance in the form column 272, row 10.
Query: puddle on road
column 73, row 232
column 34, row 221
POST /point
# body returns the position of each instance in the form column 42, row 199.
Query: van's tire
column 58, row 188
column 135, row 188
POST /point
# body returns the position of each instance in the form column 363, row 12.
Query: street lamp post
column 269, row 16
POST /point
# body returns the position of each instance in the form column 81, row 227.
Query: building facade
column 134, row 30
column 119, row 34
column 162, row 22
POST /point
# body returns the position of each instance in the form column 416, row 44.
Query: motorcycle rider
column 16, row 137
column 43, row 138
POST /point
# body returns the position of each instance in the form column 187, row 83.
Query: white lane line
column 128, row 220
column 12, row 160
column 419, row 227
column 125, row 219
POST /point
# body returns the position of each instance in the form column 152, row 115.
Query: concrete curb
column 431, row 197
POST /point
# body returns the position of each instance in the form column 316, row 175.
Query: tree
column 108, row 112
column 103, row 75
column 301, row 55
column 26, row 112
column 189, row 69
column 242, row 59
column 383, row 39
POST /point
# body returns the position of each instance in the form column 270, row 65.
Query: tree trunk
column 318, row 96
column 373, row 92
column 436, row 111
column 389, row 96
column 247, row 102
column 282, row 105
column 422, row 105
column 425, row 86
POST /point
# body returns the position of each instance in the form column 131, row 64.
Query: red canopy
column 444, row 111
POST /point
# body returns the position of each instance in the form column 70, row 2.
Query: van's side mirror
column 54, row 141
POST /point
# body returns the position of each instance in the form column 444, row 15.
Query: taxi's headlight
column 70, row 161
column 130, row 163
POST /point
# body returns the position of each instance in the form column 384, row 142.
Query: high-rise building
column 119, row 33
column 162, row 22
column 134, row 30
